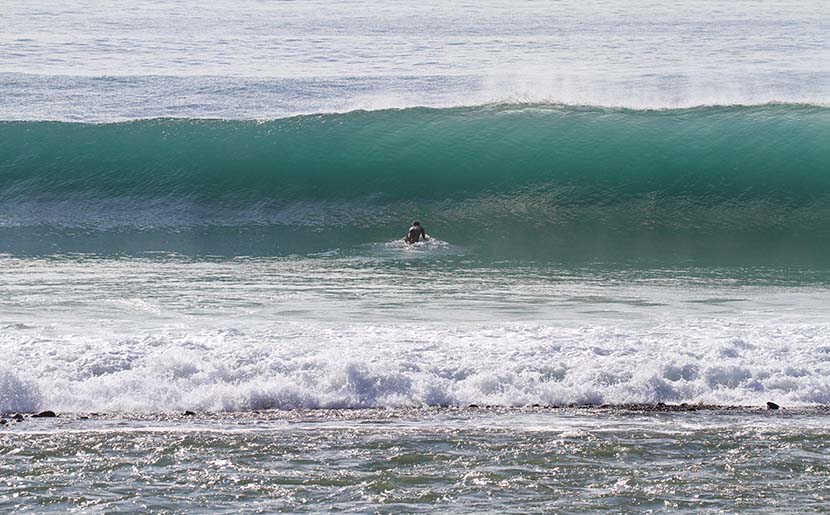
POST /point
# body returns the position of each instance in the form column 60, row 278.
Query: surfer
column 416, row 233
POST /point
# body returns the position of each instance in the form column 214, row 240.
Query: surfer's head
column 416, row 224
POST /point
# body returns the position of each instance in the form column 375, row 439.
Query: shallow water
column 455, row 461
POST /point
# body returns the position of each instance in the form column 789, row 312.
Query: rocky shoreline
column 9, row 419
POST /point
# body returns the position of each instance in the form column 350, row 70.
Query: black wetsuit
column 416, row 233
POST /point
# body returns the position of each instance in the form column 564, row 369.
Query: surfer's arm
column 424, row 235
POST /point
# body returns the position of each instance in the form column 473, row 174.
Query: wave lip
column 107, row 98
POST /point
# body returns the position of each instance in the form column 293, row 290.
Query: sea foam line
column 381, row 366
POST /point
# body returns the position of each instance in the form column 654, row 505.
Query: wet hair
column 416, row 223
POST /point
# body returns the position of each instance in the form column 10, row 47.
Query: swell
column 521, row 172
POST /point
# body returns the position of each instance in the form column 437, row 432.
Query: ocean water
column 202, row 210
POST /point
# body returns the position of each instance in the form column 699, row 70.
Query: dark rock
column 45, row 414
column 772, row 405
column 18, row 417
column 472, row 406
column 189, row 413
column 3, row 422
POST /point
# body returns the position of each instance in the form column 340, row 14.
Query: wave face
column 505, row 179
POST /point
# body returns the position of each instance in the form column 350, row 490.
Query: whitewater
column 202, row 271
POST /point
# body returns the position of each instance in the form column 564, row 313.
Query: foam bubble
column 16, row 394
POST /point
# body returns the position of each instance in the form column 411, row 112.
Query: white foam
column 171, row 333
column 17, row 394
column 348, row 366
column 427, row 249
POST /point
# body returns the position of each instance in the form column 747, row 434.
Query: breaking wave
column 596, row 181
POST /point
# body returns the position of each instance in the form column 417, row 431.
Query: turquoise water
column 714, row 185
column 202, row 206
